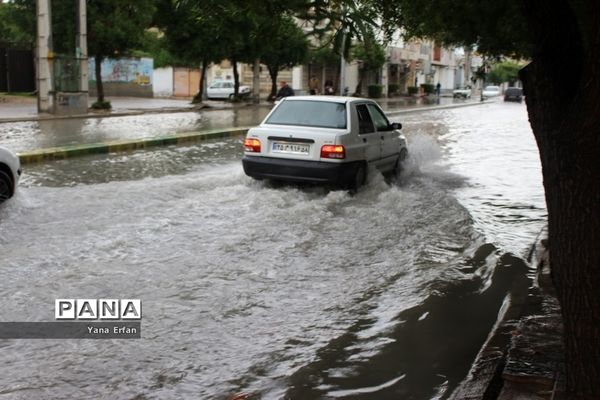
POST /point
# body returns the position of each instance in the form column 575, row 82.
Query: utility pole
column 343, row 64
column 44, row 56
column 81, row 50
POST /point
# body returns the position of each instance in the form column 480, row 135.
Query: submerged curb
column 63, row 152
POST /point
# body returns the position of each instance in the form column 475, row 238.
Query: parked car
column 324, row 139
column 10, row 171
column 464, row 93
column 491, row 91
column 513, row 94
column 225, row 90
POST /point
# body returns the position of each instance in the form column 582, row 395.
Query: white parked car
column 491, row 91
column 464, row 93
column 225, row 90
column 10, row 171
column 324, row 139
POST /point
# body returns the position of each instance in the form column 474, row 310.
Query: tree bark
column 98, row 71
column 273, row 73
column 256, row 81
column 236, row 79
column 562, row 85
column 200, row 95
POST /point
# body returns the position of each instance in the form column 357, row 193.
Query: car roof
column 329, row 99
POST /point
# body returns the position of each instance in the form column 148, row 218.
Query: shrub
column 375, row 91
column 413, row 90
column 101, row 105
column 427, row 88
column 393, row 88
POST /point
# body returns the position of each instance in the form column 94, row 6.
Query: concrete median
column 117, row 146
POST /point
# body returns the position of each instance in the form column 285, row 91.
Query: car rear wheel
column 360, row 177
column 5, row 186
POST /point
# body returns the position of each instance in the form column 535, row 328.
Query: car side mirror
column 396, row 126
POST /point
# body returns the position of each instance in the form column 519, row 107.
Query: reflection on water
column 287, row 291
column 23, row 136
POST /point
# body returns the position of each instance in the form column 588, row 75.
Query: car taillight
column 252, row 145
column 333, row 151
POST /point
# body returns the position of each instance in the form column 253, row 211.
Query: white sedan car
column 10, row 171
column 324, row 139
column 464, row 93
column 225, row 90
column 491, row 91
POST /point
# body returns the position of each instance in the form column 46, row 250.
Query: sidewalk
column 24, row 108
column 523, row 357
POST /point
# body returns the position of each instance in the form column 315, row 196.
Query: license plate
column 291, row 148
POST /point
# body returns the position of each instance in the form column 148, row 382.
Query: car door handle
column 364, row 140
column 382, row 138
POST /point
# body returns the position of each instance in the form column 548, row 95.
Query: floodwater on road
column 292, row 292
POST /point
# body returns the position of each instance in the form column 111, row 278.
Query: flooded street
column 282, row 291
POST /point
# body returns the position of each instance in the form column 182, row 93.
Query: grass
column 22, row 94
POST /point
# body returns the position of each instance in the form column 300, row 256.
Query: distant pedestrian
column 284, row 91
column 329, row 87
column 438, row 89
column 314, row 85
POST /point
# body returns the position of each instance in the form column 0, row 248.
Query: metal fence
column 66, row 73
column 17, row 71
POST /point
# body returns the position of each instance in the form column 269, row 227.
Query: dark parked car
column 10, row 171
column 513, row 94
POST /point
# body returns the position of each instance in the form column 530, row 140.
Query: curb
column 60, row 153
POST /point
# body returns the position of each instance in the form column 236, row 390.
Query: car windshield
column 493, row 88
column 320, row 114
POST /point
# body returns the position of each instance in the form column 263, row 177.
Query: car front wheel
column 400, row 162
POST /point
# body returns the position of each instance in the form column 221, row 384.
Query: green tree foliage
column 287, row 47
column 492, row 27
column 21, row 18
column 371, row 55
column 17, row 23
column 193, row 33
column 323, row 53
column 341, row 21
column 155, row 46
column 504, row 72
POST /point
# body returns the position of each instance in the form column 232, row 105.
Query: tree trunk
column 236, row 79
column 273, row 72
column 200, row 95
column 562, row 99
column 99, row 86
column 256, row 81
